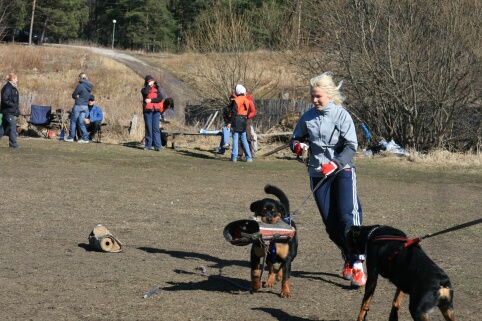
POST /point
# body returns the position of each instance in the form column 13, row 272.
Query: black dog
column 271, row 211
column 403, row 262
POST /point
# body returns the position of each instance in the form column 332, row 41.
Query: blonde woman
column 327, row 132
column 10, row 111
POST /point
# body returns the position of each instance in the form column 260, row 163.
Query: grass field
column 169, row 210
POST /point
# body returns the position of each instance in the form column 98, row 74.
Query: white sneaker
column 69, row 139
column 82, row 141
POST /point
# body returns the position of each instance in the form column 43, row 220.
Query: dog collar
column 368, row 238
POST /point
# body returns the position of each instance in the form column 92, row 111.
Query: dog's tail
column 270, row 189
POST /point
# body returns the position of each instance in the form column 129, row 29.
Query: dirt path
column 171, row 86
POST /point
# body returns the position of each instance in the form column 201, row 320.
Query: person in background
column 10, row 110
column 93, row 120
column 242, row 107
column 225, row 131
column 327, row 133
column 249, row 126
column 81, row 95
column 165, row 105
column 151, row 99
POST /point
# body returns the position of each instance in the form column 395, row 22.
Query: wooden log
column 276, row 150
column 101, row 239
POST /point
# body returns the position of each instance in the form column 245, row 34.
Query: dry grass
column 48, row 76
column 438, row 160
column 268, row 74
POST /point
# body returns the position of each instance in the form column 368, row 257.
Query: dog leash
column 312, row 192
column 409, row 242
column 453, row 228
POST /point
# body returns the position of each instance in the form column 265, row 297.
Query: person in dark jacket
column 151, row 109
column 225, row 131
column 81, row 95
column 10, row 110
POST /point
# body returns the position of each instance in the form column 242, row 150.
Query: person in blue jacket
column 93, row 119
column 81, row 96
column 326, row 133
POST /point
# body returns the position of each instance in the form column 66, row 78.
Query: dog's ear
column 255, row 206
column 280, row 208
column 351, row 233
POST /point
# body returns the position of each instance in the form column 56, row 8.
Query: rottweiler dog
column 271, row 211
column 403, row 262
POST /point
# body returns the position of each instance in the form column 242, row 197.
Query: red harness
column 407, row 243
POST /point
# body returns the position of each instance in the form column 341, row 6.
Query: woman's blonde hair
column 10, row 76
column 325, row 82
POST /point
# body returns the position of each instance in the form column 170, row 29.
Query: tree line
column 411, row 68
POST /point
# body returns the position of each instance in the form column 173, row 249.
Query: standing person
column 81, row 95
column 10, row 110
column 249, row 125
column 165, row 105
column 225, row 131
column 241, row 109
column 93, row 120
column 328, row 133
column 151, row 98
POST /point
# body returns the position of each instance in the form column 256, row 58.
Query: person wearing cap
column 80, row 109
column 242, row 108
column 250, row 134
column 151, row 109
column 93, row 119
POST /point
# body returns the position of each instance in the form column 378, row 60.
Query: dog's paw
column 255, row 285
column 270, row 282
column 285, row 294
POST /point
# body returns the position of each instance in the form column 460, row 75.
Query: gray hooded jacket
column 82, row 92
column 331, row 136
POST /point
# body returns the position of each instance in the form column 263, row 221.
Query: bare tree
column 5, row 9
column 413, row 66
column 227, row 41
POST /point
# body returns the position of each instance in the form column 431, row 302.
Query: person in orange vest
column 242, row 107
column 151, row 107
column 249, row 125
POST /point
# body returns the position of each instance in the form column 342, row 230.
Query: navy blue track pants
column 339, row 206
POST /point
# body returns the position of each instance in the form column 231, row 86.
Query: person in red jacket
column 242, row 108
column 151, row 109
column 249, row 125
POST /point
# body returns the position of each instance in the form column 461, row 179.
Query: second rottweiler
column 402, row 261
column 271, row 211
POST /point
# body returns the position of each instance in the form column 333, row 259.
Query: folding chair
column 98, row 135
column 40, row 118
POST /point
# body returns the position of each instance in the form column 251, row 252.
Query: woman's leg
column 148, row 129
column 244, row 142
column 234, row 152
column 156, row 130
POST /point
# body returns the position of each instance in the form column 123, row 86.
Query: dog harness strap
column 272, row 250
column 266, row 249
column 415, row 241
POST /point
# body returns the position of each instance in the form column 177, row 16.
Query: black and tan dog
column 271, row 211
column 403, row 262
